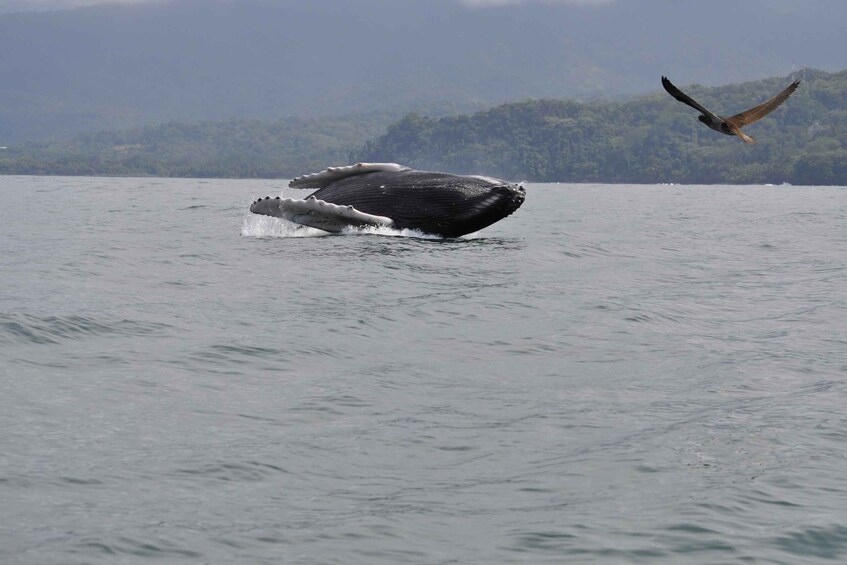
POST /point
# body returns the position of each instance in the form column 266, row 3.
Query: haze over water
column 614, row 374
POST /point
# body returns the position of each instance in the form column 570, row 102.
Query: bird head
column 703, row 119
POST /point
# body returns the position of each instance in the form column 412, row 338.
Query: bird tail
column 744, row 137
column 734, row 128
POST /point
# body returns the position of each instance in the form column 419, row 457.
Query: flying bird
column 733, row 124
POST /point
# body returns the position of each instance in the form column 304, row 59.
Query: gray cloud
column 489, row 3
column 7, row 6
column 39, row 5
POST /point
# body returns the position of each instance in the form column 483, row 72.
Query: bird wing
column 758, row 112
column 686, row 99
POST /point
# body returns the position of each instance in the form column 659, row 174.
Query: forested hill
column 645, row 140
column 649, row 139
column 236, row 148
column 123, row 64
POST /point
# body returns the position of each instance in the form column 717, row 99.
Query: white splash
column 255, row 225
column 388, row 231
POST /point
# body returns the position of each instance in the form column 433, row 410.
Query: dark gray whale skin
column 434, row 203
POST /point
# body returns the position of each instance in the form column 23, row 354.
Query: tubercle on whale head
column 517, row 196
column 515, row 192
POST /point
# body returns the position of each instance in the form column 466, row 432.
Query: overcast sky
column 40, row 5
column 7, row 6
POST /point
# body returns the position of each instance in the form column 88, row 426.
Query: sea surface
column 614, row 374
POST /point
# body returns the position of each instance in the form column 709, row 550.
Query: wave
column 247, row 471
column 157, row 548
column 19, row 328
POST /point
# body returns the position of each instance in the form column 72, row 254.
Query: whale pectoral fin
column 317, row 214
column 267, row 207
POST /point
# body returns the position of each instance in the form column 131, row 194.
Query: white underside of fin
column 327, row 216
column 332, row 174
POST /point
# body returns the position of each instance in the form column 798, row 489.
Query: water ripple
column 824, row 542
column 28, row 328
column 618, row 374
column 154, row 549
column 249, row 471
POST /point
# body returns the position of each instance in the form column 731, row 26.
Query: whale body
column 388, row 194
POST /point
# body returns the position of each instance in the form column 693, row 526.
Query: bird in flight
column 733, row 124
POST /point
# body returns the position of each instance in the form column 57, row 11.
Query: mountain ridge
column 650, row 138
column 127, row 65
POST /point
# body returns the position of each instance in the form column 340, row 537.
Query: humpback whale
column 391, row 195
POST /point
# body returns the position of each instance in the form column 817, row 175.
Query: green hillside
column 113, row 65
column 650, row 139
column 228, row 149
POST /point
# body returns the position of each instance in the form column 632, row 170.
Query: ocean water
column 614, row 374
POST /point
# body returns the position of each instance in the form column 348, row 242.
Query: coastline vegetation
column 649, row 139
